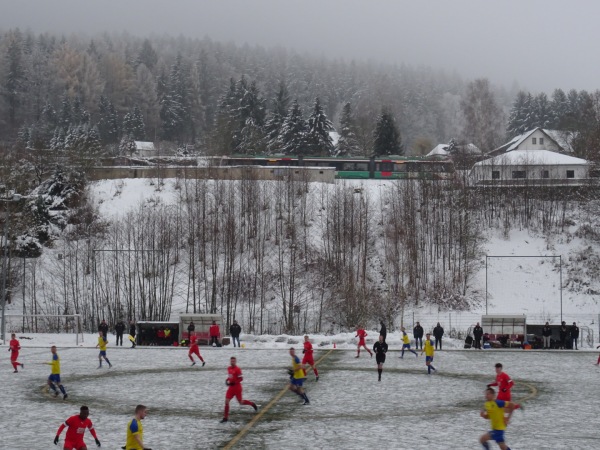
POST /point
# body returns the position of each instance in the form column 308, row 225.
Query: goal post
column 45, row 323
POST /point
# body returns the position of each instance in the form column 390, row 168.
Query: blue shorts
column 297, row 381
column 428, row 359
column 102, row 352
column 405, row 345
column 55, row 378
column 497, row 435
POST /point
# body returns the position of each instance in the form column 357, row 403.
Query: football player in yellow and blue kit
column 102, row 343
column 494, row 411
column 297, row 377
column 54, row 378
column 406, row 344
column 428, row 349
column 135, row 430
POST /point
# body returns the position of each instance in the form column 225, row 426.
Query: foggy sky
column 540, row 44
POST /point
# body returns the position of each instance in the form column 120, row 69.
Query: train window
column 348, row 166
column 386, row 166
column 362, row 166
column 399, row 167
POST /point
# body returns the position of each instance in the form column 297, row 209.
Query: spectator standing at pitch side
column 438, row 333
column 234, row 331
column 547, row 335
column 574, row 332
column 191, row 329
column 383, row 330
column 477, row 335
column 119, row 330
column 418, row 335
column 214, row 332
column 103, row 327
column 562, row 334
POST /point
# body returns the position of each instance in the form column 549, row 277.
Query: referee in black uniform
column 380, row 348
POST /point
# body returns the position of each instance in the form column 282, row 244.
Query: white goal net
column 41, row 323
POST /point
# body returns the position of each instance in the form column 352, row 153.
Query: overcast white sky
column 541, row 44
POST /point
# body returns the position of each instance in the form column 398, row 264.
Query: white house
column 538, row 139
column 519, row 167
column 145, row 149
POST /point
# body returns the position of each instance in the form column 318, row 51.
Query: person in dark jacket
column 547, row 335
column 380, row 348
column 562, row 334
column 190, row 329
column 103, row 327
column 477, row 335
column 418, row 335
column 383, row 330
column 438, row 333
column 119, row 330
column 574, row 331
column 132, row 333
column 234, row 332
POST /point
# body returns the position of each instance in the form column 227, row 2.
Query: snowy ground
column 349, row 408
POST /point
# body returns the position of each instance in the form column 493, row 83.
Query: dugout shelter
column 504, row 330
column 202, row 323
column 155, row 333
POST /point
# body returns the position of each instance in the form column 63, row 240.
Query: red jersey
column 504, row 383
column 362, row 334
column 214, row 331
column 76, row 429
column 234, row 376
column 194, row 346
column 308, row 350
column 14, row 345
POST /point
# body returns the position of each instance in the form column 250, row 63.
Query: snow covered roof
column 143, row 145
column 562, row 138
column 439, row 150
column 533, row 158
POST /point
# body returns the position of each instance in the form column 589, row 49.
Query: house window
column 533, row 141
column 545, row 174
column 519, row 174
column 541, row 141
column 495, row 174
column 570, row 174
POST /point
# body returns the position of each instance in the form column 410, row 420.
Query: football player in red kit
column 308, row 357
column 76, row 426
column 13, row 347
column 195, row 350
column 234, row 381
column 504, row 383
column 361, row 334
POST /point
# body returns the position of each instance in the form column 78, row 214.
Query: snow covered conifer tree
column 318, row 141
column 251, row 138
column 347, row 144
column 133, row 124
column 517, row 120
column 278, row 113
column 292, row 139
column 386, row 136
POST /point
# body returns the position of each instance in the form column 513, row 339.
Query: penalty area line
column 262, row 412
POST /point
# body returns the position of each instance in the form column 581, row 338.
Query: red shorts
column 71, row 445
column 234, row 391
column 14, row 356
column 361, row 343
column 308, row 359
column 505, row 396
column 194, row 351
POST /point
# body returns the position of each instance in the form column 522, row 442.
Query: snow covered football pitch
column 349, row 409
